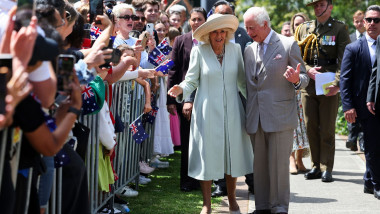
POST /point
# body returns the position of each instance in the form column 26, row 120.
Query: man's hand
column 333, row 90
column 186, row 110
column 105, row 21
column 172, row 108
column 292, row 75
column 313, row 71
column 371, row 107
column 97, row 56
column 350, row 115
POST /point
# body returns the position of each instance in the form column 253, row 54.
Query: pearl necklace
column 220, row 56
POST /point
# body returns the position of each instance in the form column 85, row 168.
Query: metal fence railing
column 127, row 102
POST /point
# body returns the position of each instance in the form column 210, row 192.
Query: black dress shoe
column 361, row 145
column 376, row 193
column 219, row 191
column 368, row 190
column 351, row 145
column 251, row 190
column 314, row 173
column 327, row 176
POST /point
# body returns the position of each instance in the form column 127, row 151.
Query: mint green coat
column 219, row 142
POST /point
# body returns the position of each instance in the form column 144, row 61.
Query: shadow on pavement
column 296, row 199
column 348, row 173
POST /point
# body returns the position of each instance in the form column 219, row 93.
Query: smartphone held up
column 96, row 8
column 24, row 13
column 65, row 69
column 5, row 75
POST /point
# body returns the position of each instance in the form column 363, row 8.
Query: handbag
column 82, row 133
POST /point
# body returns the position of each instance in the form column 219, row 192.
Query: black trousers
column 185, row 180
column 355, row 132
column 74, row 184
column 371, row 130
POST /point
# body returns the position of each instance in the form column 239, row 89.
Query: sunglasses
column 141, row 18
column 128, row 17
column 369, row 20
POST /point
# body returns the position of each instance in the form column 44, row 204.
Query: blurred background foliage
column 283, row 10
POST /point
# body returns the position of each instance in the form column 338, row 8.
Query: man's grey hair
column 373, row 7
column 260, row 15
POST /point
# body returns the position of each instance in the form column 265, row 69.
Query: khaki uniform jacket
column 332, row 37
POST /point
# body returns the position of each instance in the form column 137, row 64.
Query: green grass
column 163, row 195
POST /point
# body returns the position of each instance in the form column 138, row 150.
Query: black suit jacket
column 373, row 89
column 354, row 78
column 181, row 57
column 242, row 38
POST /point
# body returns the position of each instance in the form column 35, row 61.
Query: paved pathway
column 344, row 195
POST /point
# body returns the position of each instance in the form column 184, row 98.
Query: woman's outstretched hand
column 175, row 91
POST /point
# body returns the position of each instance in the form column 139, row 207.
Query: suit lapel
column 271, row 47
column 366, row 56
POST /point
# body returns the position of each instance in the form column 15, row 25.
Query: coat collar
column 327, row 26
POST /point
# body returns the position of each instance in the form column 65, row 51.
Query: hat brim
column 215, row 22
column 312, row 3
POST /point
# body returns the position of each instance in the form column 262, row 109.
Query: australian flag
column 153, row 99
column 150, row 116
column 156, row 57
column 95, row 32
column 138, row 131
column 89, row 101
column 165, row 66
column 164, row 47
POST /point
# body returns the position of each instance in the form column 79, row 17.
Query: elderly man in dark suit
column 356, row 69
column 241, row 38
column 181, row 57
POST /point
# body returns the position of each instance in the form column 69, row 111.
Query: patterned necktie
column 360, row 36
column 259, row 57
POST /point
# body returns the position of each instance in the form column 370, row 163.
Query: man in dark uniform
column 322, row 43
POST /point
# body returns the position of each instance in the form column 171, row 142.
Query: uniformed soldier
column 322, row 42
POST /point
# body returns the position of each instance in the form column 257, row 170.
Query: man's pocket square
column 278, row 56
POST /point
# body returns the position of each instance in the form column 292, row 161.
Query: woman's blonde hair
column 230, row 34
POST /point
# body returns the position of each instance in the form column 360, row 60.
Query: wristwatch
column 75, row 111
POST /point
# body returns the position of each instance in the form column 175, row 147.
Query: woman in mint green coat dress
column 219, row 144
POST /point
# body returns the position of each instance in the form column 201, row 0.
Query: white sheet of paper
column 321, row 79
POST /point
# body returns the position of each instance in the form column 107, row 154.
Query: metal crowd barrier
column 127, row 102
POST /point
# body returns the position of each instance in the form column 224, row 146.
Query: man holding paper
column 322, row 43
column 358, row 59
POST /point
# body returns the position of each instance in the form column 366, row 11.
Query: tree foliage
column 283, row 10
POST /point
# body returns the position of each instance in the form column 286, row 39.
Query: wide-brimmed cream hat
column 215, row 22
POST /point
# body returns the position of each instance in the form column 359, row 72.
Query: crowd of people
column 235, row 102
